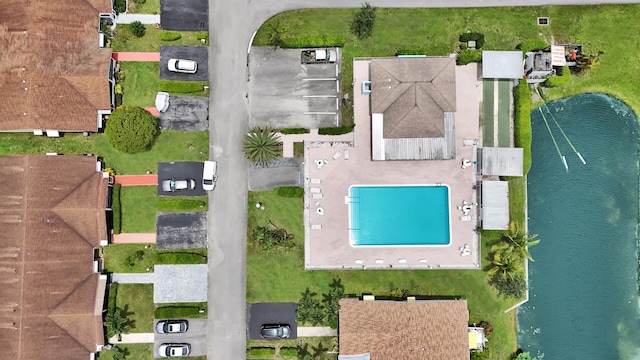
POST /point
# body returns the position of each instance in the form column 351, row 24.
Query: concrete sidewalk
column 288, row 140
column 134, row 238
column 137, row 278
column 131, row 180
column 136, row 56
column 316, row 331
column 133, row 338
column 143, row 18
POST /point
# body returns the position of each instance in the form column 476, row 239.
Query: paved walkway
column 138, row 278
column 316, row 331
column 134, row 338
column 134, row 238
column 288, row 140
column 143, row 18
column 152, row 110
column 135, row 180
column 136, row 56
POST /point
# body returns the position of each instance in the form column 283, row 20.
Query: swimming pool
column 398, row 215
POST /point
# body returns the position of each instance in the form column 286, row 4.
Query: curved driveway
column 231, row 24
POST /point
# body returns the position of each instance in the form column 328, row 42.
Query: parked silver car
column 172, row 185
column 172, row 326
column 172, row 350
column 275, row 331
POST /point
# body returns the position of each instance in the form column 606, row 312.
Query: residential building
column 53, row 223
column 54, row 75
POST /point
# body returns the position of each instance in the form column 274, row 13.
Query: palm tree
column 118, row 322
column 507, row 266
column 261, row 146
column 517, row 243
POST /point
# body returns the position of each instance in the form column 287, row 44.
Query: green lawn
column 139, row 205
column 169, row 146
column 133, row 351
column 137, row 300
column 137, row 352
column 148, row 7
column 121, row 258
column 125, row 41
column 598, row 28
column 141, row 82
column 287, row 213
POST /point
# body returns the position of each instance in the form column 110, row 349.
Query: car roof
column 210, row 166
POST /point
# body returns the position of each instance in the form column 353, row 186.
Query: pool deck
column 327, row 187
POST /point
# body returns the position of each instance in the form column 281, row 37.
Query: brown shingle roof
column 413, row 94
column 393, row 330
column 65, row 72
column 52, row 216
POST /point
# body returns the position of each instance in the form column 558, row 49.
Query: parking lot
column 196, row 336
column 181, row 230
column 259, row 314
column 181, row 171
column 184, row 15
column 199, row 54
column 186, row 113
column 284, row 93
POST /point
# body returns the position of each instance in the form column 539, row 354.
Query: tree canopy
column 131, row 129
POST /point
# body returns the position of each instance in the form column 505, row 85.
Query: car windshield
column 208, row 181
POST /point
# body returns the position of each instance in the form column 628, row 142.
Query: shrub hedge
column 289, row 191
column 182, row 87
column 532, row 45
column 555, row 81
column 472, row 35
column 288, row 352
column 120, row 6
column 340, row 130
column 180, row 311
column 137, row 29
column 181, row 204
column 294, row 131
column 522, row 121
column 202, row 35
column 116, row 209
column 170, row 36
column 180, row 257
column 261, row 352
column 311, row 41
column 411, row 52
column 468, row 56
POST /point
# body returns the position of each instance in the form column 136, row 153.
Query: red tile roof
column 53, row 217
column 395, row 330
column 53, row 75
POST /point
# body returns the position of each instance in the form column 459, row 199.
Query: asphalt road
column 196, row 336
column 231, row 24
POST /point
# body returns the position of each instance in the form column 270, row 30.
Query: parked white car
column 209, row 176
column 182, row 66
column 162, row 101
column 174, row 350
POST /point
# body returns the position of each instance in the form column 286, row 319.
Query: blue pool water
column 399, row 215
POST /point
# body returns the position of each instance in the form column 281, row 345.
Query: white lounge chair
column 316, row 227
column 346, row 154
column 315, row 190
column 317, row 196
column 337, row 155
column 316, row 181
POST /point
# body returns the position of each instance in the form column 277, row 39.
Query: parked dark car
column 172, row 326
column 275, row 331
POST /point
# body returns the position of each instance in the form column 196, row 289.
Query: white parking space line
column 337, row 104
column 319, row 96
column 319, row 113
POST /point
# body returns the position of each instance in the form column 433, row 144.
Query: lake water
column 584, row 300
